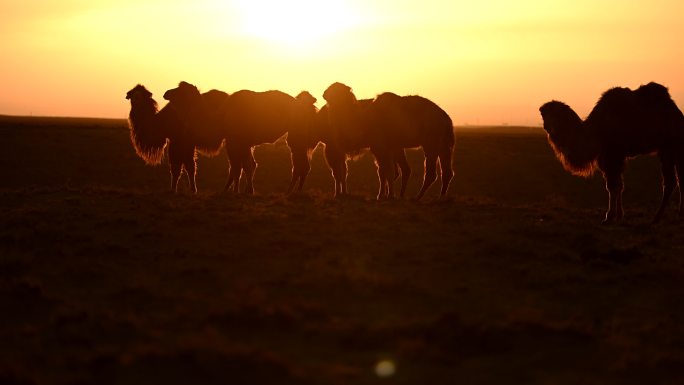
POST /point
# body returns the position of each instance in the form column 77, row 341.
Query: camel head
column 574, row 145
column 559, row 119
column 305, row 98
column 339, row 93
column 185, row 93
column 138, row 92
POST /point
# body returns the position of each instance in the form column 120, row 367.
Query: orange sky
column 485, row 62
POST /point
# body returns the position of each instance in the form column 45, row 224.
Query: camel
column 623, row 124
column 245, row 119
column 410, row 122
column 302, row 139
column 152, row 131
column 344, row 131
column 388, row 125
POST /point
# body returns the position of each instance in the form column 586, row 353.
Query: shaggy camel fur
column 302, row 139
column 151, row 130
column 246, row 119
column 388, row 125
column 623, row 124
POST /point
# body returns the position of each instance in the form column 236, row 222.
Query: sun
column 295, row 23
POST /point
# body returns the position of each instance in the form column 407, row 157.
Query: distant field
column 107, row 278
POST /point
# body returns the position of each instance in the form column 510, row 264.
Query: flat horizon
column 486, row 63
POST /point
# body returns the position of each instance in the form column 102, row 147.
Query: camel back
column 413, row 121
column 258, row 117
column 633, row 122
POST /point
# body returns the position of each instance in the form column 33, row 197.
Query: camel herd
column 194, row 122
column 624, row 123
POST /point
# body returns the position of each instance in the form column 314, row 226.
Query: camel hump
column 649, row 93
column 213, row 99
column 264, row 96
column 184, row 92
column 388, row 96
column 305, row 98
column 654, row 88
column 653, row 94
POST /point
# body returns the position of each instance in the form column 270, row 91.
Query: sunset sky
column 484, row 62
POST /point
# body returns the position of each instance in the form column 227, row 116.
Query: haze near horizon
column 489, row 62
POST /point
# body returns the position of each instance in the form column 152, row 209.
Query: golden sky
column 484, row 62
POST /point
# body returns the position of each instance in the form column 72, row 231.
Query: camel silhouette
column 302, row 139
column 387, row 125
column 245, row 119
column 152, row 131
column 623, row 124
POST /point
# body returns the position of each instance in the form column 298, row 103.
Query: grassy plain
column 107, row 278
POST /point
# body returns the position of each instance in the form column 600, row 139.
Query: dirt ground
column 108, row 278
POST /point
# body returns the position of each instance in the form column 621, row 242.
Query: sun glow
column 296, row 23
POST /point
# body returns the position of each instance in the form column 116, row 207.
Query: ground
column 108, row 278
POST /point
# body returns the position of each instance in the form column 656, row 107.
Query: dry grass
column 107, row 278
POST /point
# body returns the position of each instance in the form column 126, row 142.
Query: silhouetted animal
column 246, row 119
column 388, row 125
column 302, row 139
column 151, row 130
column 623, row 124
column 410, row 122
column 345, row 131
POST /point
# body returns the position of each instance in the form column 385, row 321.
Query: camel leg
column 384, row 162
column 176, row 169
column 294, row 157
column 249, row 167
column 680, row 180
column 191, row 170
column 306, row 168
column 340, row 176
column 445, row 159
column 293, row 182
column 300, row 169
column 612, row 173
column 338, row 166
column 343, row 176
column 234, row 170
column 175, row 165
column 331, row 160
column 430, row 173
column 669, row 184
column 614, row 186
column 402, row 163
column 383, row 180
